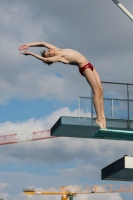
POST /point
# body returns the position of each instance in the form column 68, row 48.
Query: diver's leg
column 101, row 97
column 91, row 78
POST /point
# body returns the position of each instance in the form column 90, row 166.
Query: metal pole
column 123, row 9
column 128, row 117
column 91, row 107
column 91, row 104
column 112, row 109
column 79, row 107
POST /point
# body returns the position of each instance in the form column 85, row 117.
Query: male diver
column 86, row 69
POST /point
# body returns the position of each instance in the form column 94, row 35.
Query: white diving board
column 114, row 134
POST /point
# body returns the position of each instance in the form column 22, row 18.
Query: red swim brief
column 82, row 69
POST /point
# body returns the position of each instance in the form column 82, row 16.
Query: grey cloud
column 82, row 152
column 41, row 182
column 95, row 28
column 89, row 156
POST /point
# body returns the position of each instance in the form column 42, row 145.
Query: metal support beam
column 123, row 9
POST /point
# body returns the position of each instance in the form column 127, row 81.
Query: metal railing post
column 79, row 107
column 128, row 116
column 112, row 107
column 91, row 107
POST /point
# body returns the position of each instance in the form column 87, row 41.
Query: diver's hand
column 24, row 47
column 26, row 53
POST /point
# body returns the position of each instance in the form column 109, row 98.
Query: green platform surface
column 114, row 134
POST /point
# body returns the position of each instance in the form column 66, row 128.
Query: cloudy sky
column 33, row 95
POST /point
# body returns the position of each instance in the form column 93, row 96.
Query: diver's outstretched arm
column 46, row 60
column 36, row 44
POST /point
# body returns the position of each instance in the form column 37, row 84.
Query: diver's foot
column 104, row 123
column 100, row 123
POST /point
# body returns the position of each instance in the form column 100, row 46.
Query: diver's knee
column 98, row 91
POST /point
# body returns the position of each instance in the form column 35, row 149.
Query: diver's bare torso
column 72, row 57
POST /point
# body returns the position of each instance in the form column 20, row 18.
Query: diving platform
column 120, row 170
column 87, row 128
column 114, row 134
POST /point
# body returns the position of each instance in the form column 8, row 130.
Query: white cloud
column 109, row 48
column 91, row 155
column 3, row 186
column 96, row 30
column 78, row 197
column 33, row 125
column 84, row 168
column 100, row 197
column 28, row 179
column 15, row 80
column 3, row 191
